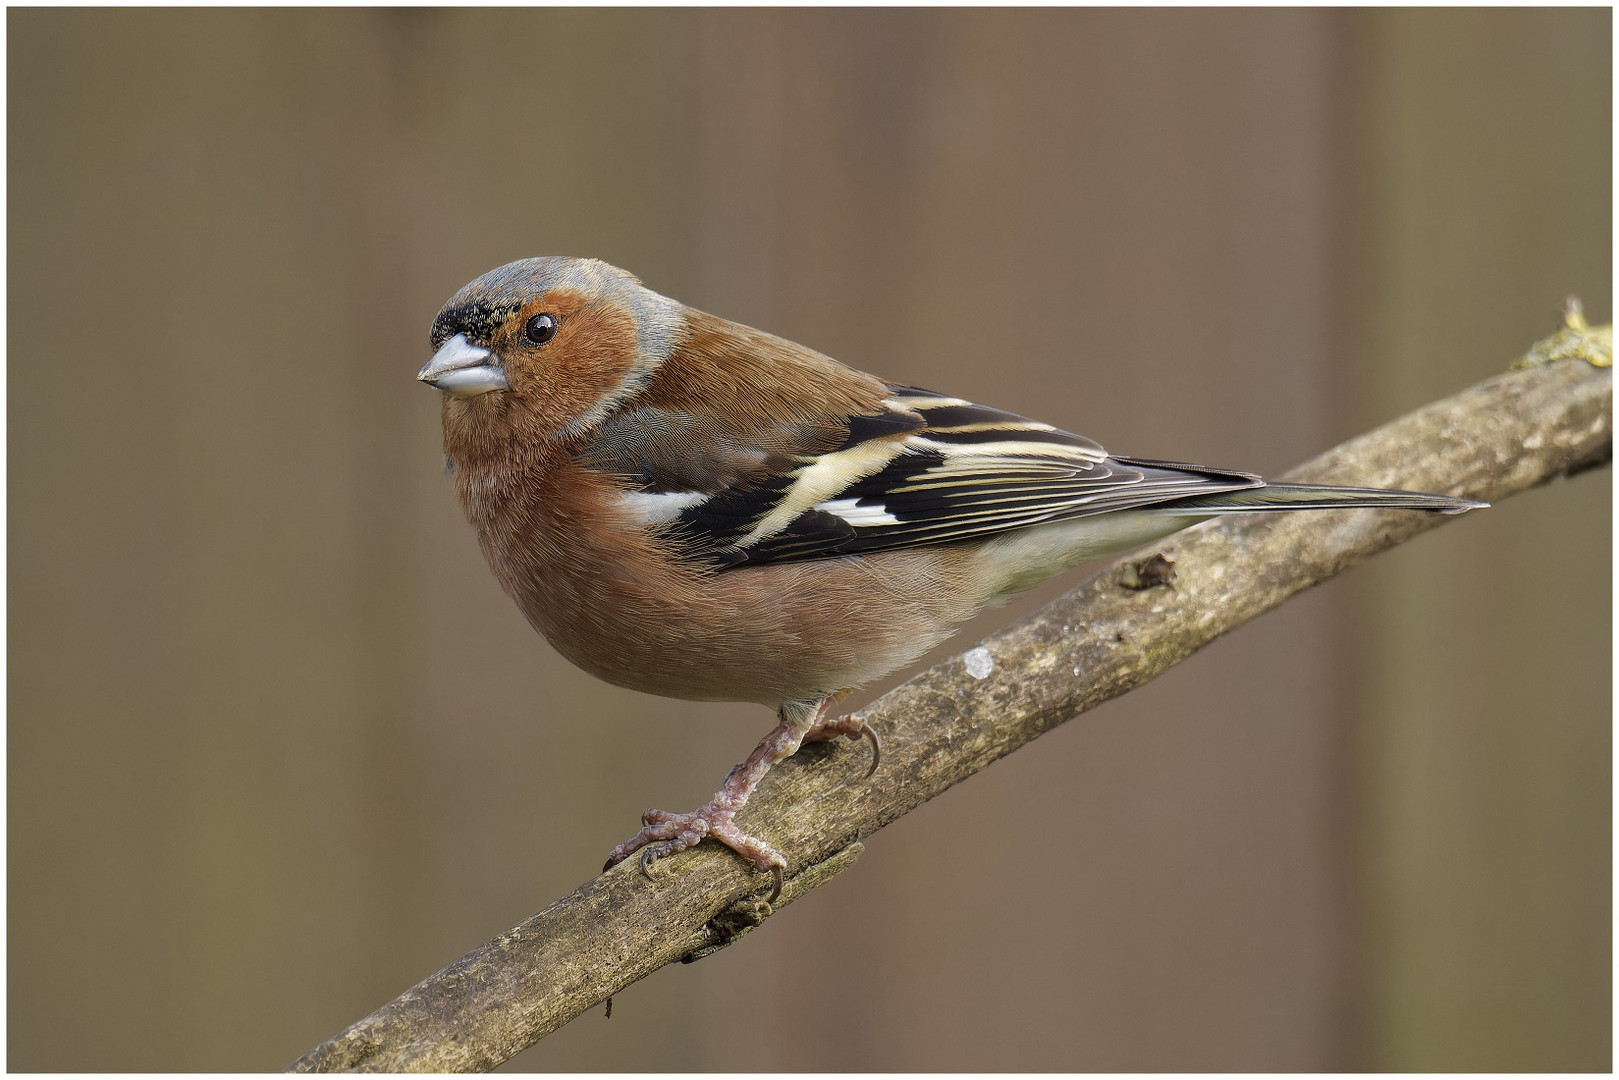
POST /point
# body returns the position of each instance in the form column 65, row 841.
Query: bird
column 693, row 508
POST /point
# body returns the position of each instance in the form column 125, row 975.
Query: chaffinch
column 690, row 507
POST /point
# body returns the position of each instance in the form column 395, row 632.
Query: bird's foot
column 664, row 834
column 853, row 726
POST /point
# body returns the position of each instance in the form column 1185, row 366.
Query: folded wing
column 928, row 469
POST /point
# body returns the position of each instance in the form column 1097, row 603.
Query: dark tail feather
column 1274, row 497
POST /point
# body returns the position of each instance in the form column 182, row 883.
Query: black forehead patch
column 485, row 303
column 477, row 319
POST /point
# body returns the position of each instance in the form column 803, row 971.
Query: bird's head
column 554, row 343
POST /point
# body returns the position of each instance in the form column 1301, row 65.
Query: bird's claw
column 850, row 727
column 653, row 852
column 876, row 741
column 663, row 834
column 778, row 878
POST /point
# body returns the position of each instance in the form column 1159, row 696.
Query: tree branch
column 1549, row 418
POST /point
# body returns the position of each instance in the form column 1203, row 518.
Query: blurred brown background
column 279, row 747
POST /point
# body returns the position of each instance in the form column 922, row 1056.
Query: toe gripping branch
column 749, row 912
column 663, row 833
column 853, row 726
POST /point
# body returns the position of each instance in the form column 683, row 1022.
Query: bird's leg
column 664, row 833
column 850, row 727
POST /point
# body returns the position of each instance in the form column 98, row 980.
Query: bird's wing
column 927, row 469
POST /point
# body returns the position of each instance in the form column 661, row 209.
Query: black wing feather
column 930, row 469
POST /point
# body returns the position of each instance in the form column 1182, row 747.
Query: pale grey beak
column 463, row 369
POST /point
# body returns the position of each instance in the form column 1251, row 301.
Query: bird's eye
column 540, row 329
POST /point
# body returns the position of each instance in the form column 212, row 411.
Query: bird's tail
column 1273, row 497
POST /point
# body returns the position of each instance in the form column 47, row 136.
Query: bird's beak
column 463, row 369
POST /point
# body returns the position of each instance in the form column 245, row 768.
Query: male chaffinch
column 690, row 507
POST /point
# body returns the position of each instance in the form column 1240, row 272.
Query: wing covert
column 928, row 469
